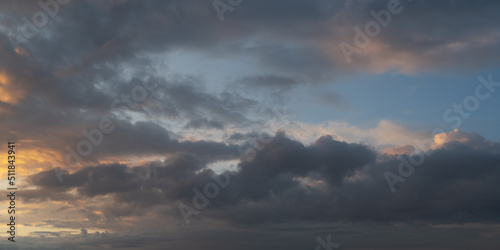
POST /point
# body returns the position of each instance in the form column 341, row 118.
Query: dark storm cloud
column 457, row 182
column 271, row 174
column 332, row 159
column 326, row 181
column 149, row 138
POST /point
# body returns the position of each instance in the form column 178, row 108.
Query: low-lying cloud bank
column 326, row 181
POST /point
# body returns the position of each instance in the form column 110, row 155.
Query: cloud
column 66, row 77
column 385, row 134
column 470, row 139
column 63, row 82
column 326, row 181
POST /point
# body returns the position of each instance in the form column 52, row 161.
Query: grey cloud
column 345, row 183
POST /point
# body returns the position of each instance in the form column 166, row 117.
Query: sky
column 251, row 124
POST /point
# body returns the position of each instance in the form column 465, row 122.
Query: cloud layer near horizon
column 288, row 181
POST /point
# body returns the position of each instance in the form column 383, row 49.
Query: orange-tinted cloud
column 8, row 91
